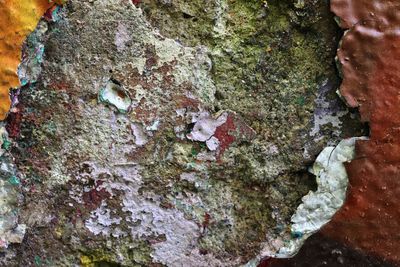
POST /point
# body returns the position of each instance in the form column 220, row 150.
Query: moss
column 269, row 60
column 252, row 213
column 134, row 254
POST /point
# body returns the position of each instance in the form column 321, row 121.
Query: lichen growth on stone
column 205, row 162
column 318, row 207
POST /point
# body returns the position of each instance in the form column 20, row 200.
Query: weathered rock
column 186, row 145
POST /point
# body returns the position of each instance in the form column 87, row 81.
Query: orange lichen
column 18, row 19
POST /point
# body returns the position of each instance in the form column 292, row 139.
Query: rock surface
column 170, row 133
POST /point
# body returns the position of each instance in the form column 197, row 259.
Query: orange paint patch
column 18, row 19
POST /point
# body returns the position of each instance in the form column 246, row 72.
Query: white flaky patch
column 145, row 219
column 115, row 95
column 122, row 37
column 140, row 135
column 318, row 207
column 101, row 220
column 205, row 128
column 212, row 143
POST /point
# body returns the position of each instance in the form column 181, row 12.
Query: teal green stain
column 301, row 100
column 38, row 261
column 51, row 127
column 194, row 152
column 297, row 234
column 39, row 55
column 24, row 81
column 56, row 14
column 14, row 180
column 6, row 143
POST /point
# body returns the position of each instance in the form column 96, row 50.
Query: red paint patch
column 234, row 130
column 186, row 102
column 49, row 13
column 206, row 221
column 14, row 121
column 94, row 197
column 136, row 2
column 224, row 134
column 145, row 114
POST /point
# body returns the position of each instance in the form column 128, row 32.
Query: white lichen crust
column 318, row 207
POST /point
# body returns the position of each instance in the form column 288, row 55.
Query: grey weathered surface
column 229, row 102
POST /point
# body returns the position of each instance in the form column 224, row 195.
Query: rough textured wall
column 168, row 133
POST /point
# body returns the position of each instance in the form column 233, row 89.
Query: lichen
column 148, row 185
column 11, row 231
column 318, row 207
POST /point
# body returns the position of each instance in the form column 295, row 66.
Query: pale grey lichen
column 326, row 113
column 318, row 207
column 141, row 138
column 101, row 220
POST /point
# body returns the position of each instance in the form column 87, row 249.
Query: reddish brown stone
column 352, row 12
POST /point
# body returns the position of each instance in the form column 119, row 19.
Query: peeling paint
column 115, row 95
column 318, row 207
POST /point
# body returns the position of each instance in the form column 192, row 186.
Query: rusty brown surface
column 365, row 232
column 370, row 60
column 351, row 12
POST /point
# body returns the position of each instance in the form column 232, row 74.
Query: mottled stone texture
column 171, row 133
